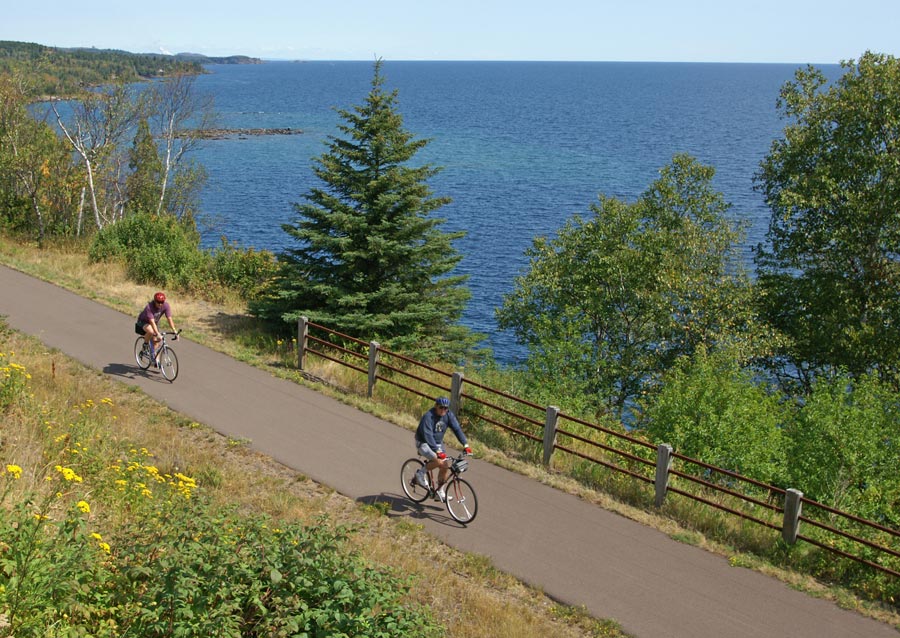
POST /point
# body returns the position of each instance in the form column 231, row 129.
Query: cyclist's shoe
column 440, row 495
column 421, row 478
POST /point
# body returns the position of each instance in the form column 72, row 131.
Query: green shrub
column 712, row 410
column 93, row 547
column 242, row 270
column 156, row 249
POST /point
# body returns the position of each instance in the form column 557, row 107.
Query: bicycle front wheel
column 141, row 355
column 168, row 363
column 462, row 504
column 411, row 487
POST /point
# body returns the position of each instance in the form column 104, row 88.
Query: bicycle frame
column 165, row 359
column 459, row 495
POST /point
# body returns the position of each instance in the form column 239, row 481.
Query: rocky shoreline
column 222, row 133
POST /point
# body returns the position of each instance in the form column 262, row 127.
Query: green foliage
column 844, row 446
column 247, row 271
column 143, row 184
column 612, row 301
column 829, row 273
column 156, row 249
column 35, row 168
column 13, row 381
column 66, row 72
column 711, row 409
column 370, row 259
column 93, row 548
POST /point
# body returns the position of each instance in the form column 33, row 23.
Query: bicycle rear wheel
column 462, row 504
column 140, row 355
column 168, row 363
column 411, row 487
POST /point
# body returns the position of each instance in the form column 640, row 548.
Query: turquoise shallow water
column 524, row 146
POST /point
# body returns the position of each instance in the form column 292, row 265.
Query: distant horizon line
column 309, row 60
column 302, row 60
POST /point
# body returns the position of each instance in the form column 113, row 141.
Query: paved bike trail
column 576, row 552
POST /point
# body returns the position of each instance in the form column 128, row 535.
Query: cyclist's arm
column 457, row 429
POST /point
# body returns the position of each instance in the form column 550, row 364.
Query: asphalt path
column 575, row 552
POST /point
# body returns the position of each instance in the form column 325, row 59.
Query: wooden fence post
column 456, row 382
column 302, row 334
column 663, row 465
column 793, row 506
column 373, row 366
column 550, row 432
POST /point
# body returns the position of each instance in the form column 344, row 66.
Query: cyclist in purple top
column 147, row 324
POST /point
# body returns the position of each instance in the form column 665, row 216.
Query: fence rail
column 504, row 411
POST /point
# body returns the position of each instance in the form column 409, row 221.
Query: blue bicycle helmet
column 442, row 402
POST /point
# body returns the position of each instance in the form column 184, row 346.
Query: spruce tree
column 142, row 186
column 370, row 259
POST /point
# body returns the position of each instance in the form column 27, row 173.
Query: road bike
column 166, row 361
column 461, row 502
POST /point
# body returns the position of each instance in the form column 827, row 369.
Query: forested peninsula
column 60, row 72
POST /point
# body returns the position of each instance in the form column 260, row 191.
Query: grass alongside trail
column 129, row 480
column 226, row 328
column 94, row 429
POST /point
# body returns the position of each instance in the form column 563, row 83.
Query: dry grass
column 466, row 594
column 464, row 591
column 502, row 606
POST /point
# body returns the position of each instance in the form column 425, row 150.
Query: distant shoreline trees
column 66, row 73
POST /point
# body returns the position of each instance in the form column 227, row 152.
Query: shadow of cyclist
column 397, row 506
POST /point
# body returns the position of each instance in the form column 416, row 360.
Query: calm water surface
column 524, row 146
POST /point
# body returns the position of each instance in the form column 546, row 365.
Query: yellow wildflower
column 15, row 471
column 83, row 506
column 69, row 474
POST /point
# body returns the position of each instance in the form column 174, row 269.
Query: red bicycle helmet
column 159, row 297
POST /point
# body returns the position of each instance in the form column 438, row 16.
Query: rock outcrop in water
column 222, row 133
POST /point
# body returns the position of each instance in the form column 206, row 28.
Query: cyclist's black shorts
column 139, row 327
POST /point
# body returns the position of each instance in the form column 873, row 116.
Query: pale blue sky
column 797, row 32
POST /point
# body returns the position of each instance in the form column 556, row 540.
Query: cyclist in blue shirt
column 430, row 442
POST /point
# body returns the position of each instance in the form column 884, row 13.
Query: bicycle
column 461, row 502
column 166, row 361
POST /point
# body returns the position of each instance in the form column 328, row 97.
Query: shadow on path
column 132, row 372
column 401, row 507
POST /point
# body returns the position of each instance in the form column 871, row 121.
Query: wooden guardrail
column 549, row 431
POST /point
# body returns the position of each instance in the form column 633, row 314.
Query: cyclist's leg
column 431, row 459
column 149, row 337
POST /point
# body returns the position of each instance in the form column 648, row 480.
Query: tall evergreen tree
column 370, row 259
column 143, row 184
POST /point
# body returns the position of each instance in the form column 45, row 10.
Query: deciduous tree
column 99, row 123
column 33, row 162
column 830, row 271
column 179, row 114
column 612, row 301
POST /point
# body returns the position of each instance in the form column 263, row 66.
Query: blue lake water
column 523, row 146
